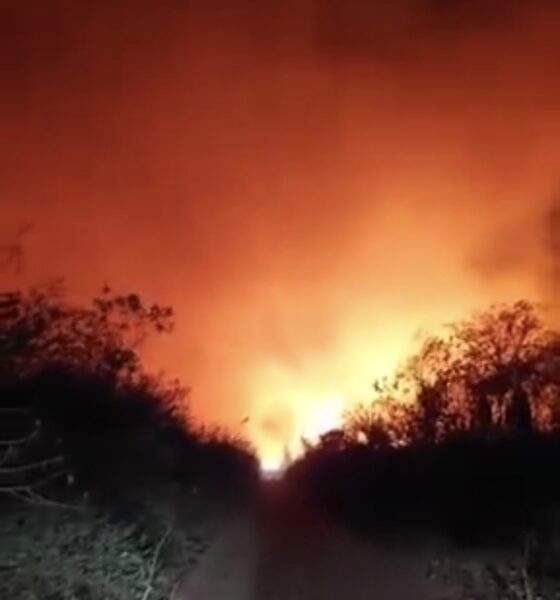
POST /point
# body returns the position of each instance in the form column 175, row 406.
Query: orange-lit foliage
column 496, row 370
column 467, row 436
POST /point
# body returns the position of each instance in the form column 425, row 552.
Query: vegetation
column 103, row 474
column 465, row 440
column 105, row 478
column 529, row 570
column 70, row 554
column 466, row 437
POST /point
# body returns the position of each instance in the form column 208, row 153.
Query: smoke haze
column 308, row 183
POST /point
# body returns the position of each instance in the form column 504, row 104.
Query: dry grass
column 528, row 573
column 59, row 554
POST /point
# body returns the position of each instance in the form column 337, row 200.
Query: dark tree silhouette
column 77, row 370
column 39, row 327
column 469, row 429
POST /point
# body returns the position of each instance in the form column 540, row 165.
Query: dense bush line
column 95, row 451
column 74, row 395
column 466, row 437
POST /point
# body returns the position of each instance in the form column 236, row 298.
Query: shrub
column 54, row 553
column 81, row 420
column 466, row 437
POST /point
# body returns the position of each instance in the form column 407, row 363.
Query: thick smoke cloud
column 308, row 183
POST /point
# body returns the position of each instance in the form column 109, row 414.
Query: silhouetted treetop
column 41, row 327
column 497, row 369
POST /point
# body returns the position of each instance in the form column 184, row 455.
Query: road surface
column 287, row 550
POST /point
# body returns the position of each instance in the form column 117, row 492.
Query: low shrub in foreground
column 82, row 422
column 52, row 553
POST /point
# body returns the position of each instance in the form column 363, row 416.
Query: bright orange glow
column 307, row 183
column 324, row 417
column 289, row 405
column 308, row 395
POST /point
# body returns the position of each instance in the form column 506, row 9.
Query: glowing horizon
column 307, row 183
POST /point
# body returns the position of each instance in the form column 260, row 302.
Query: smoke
column 308, row 183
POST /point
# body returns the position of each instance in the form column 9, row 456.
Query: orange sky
column 307, row 182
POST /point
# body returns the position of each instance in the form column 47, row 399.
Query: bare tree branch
column 32, row 466
column 151, row 575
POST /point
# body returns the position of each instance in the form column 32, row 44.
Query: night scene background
column 279, row 299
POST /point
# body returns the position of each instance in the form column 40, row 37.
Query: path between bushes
column 227, row 570
column 286, row 551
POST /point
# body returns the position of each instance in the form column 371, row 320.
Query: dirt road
column 288, row 551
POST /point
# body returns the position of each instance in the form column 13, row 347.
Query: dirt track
column 287, row 551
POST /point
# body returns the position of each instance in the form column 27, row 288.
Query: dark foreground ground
column 287, row 550
column 279, row 548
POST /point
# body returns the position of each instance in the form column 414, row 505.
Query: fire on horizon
column 309, row 183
